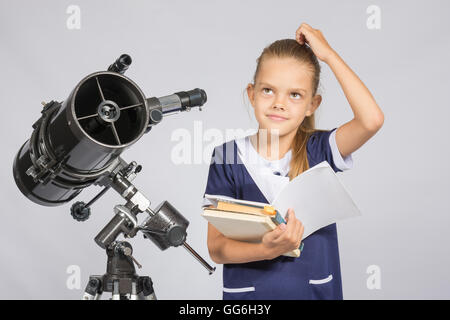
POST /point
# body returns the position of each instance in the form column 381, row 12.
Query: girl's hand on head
column 285, row 237
column 315, row 39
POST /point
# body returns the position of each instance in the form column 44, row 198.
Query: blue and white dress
column 239, row 172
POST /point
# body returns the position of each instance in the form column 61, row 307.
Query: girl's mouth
column 276, row 118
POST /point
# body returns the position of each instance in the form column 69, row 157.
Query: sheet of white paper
column 317, row 197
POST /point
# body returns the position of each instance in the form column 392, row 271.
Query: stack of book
column 244, row 220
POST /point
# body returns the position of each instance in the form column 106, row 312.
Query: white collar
column 249, row 155
column 262, row 170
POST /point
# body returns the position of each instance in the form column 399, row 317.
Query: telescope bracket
column 126, row 213
column 47, row 171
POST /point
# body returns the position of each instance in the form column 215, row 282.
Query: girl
column 284, row 98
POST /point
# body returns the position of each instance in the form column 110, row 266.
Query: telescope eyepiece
column 193, row 98
column 121, row 64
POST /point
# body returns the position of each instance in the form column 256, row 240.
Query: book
column 244, row 222
column 316, row 195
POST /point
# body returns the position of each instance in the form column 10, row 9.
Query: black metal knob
column 79, row 211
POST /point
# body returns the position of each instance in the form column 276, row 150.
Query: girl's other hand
column 315, row 39
column 285, row 238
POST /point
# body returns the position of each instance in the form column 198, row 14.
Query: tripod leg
column 93, row 289
column 146, row 285
column 116, row 293
column 133, row 295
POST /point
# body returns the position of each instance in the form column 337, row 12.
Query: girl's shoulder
column 225, row 153
column 321, row 146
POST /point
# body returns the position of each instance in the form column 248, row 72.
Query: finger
column 281, row 235
column 277, row 232
column 301, row 39
column 301, row 234
column 303, row 33
column 292, row 235
column 302, row 230
column 304, row 24
column 299, row 32
column 286, row 216
column 291, row 223
column 277, row 236
column 298, row 232
column 307, row 26
column 291, row 216
column 301, row 29
column 298, row 226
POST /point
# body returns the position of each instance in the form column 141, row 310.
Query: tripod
column 120, row 278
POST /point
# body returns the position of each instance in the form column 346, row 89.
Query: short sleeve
column 322, row 146
column 220, row 176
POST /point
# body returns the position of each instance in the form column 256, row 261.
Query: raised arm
column 368, row 117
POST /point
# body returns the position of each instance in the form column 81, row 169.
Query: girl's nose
column 279, row 102
column 279, row 106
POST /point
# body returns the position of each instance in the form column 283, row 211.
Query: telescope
column 78, row 143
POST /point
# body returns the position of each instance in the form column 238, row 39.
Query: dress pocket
column 322, row 288
column 321, row 281
column 238, row 293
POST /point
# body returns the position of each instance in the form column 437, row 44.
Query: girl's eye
column 296, row 95
column 267, row 90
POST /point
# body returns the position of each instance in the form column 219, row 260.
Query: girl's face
column 282, row 95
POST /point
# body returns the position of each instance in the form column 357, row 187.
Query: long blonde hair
column 290, row 48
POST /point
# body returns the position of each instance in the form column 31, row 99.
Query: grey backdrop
column 400, row 179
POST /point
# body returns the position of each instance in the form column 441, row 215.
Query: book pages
column 317, row 197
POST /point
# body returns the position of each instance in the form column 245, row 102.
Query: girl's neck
column 268, row 147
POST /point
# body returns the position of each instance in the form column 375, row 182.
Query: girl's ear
column 251, row 93
column 315, row 103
